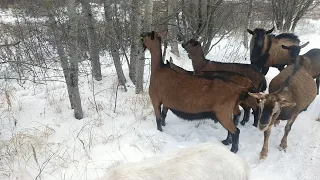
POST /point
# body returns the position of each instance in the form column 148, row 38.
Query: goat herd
column 215, row 90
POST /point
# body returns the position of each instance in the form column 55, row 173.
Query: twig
column 115, row 101
column 8, row 45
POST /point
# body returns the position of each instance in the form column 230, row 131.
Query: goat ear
column 304, row 45
column 249, row 31
column 257, row 95
column 163, row 33
column 285, row 103
column 285, row 47
column 270, row 31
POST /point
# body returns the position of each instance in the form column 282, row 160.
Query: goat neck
column 197, row 57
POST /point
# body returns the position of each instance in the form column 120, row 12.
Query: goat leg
column 246, row 116
column 265, row 70
column 283, row 144
column 264, row 151
column 163, row 116
column 235, row 141
column 157, row 111
column 317, row 82
column 228, row 140
column 255, row 117
column 280, row 67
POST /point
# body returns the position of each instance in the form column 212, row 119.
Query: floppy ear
column 257, row 95
column 270, row 31
column 285, row 103
column 304, row 45
column 249, row 31
column 285, row 47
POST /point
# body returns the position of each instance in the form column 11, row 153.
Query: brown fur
column 293, row 89
column 311, row 62
column 200, row 64
column 191, row 94
column 277, row 56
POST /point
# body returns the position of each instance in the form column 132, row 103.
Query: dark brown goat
column 290, row 93
column 185, row 95
column 200, row 64
column 266, row 51
column 310, row 60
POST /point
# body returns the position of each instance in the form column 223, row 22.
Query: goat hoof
column 262, row 157
column 160, row 129
column 255, row 124
column 234, row 149
column 283, row 148
column 243, row 123
column 163, row 123
column 226, row 142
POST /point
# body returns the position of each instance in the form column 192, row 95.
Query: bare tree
column 92, row 40
column 288, row 13
column 136, row 48
column 147, row 26
column 62, row 55
column 113, row 41
column 246, row 25
column 73, row 59
column 172, row 26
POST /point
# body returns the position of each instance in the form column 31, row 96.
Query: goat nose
column 262, row 127
column 259, row 43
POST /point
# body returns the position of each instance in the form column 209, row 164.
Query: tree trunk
column 172, row 28
column 245, row 33
column 113, row 45
column 62, row 55
column 92, row 40
column 147, row 26
column 136, row 47
column 73, row 59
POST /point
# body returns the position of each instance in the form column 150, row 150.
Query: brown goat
column 266, row 51
column 236, row 78
column 310, row 60
column 185, row 95
column 200, row 64
column 290, row 93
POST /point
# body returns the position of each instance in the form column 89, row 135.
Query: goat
column 214, row 97
column 290, row 93
column 237, row 78
column 266, row 51
column 200, row 64
column 310, row 60
column 205, row 161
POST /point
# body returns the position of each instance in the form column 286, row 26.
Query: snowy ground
column 39, row 135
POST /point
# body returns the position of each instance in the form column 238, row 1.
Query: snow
column 48, row 141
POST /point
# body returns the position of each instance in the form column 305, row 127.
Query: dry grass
column 140, row 105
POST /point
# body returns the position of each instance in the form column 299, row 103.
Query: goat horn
column 269, row 31
column 304, row 45
column 257, row 95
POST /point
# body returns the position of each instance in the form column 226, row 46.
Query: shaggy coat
column 266, row 50
column 202, row 162
column 290, row 93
